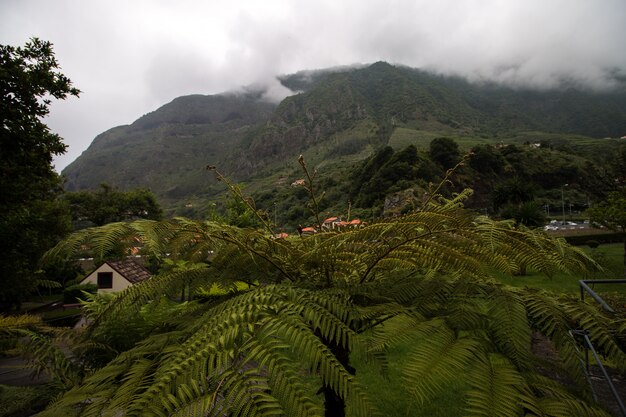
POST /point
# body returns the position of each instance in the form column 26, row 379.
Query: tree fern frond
column 436, row 361
column 240, row 348
column 427, row 289
column 556, row 317
column 496, row 388
column 509, row 326
column 134, row 297
column 132, row 383
column 570, row 407
column 283, row 378
column 550, row 398
column 400, row 329
column 43, row 355
column 600, row 328
column 101, row 241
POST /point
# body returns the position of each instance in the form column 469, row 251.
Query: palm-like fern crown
column 423, row 277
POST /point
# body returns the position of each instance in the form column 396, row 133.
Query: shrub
column 75, row 292
column 609, row 237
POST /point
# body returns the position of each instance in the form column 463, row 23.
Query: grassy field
column 403, row 137
column 610, row 257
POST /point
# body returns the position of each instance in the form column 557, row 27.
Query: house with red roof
column 331, row 222
column 113, row 276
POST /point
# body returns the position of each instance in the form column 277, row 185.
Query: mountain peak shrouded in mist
column 347, row 109
column 244, row 108
column 129, row 63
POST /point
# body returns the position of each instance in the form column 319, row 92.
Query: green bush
column 75, row 292
column 609, row 237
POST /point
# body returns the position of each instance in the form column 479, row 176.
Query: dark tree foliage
column 445, row 152
column 31, row 217
column 107, row 205
column 486, row 159
column 515, row 191
column 381, row 172
column 387, row 172
column 528, row 213
column 368, row 168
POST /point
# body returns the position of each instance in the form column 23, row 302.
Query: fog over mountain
column 130, row 57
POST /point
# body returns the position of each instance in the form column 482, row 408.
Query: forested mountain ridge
column 348, row 111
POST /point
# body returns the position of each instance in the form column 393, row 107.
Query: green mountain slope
column 167, row 150
column 338, row 118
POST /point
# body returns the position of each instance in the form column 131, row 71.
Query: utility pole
column 349, row 207
column 563, row 202
column 570, row 211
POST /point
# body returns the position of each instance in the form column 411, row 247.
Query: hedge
column 74, row 293
column 580, row 240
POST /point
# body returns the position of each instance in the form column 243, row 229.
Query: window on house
column 105, row 279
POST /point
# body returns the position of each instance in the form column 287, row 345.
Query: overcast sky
column 130, row 57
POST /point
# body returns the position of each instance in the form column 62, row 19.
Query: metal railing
column 584, row 287
column 584, row 336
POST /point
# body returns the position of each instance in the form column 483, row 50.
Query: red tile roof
column 130, row 270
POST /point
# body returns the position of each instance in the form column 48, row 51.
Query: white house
column 117, row 275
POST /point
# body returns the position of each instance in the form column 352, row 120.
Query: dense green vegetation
column 421, row 283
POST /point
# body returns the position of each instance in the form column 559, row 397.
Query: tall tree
column 445, row 152
column 31, row 217
column 108, row 204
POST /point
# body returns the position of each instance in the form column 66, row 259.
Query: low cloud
column 128, row 63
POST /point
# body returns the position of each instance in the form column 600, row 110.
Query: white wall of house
column 119, row 282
